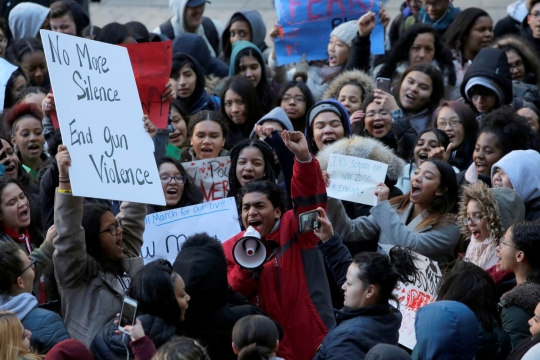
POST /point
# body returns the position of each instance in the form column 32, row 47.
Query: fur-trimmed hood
column 366, row 81
column 366, row 148
column 527, row 51
column 525, row 296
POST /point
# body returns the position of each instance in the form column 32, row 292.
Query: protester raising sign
column 211, row 176
column 166, row 231
column 100, row 118
column 355, row 179
column 152, row 67
column 413, row 296
column 305, row 26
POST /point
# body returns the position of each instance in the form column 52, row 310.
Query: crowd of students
column 458, row 128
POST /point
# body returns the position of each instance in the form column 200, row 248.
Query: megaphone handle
column 256, row 273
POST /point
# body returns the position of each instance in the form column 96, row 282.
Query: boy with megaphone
column 289, row 281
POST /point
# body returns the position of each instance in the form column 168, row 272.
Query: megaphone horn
column 249, row 252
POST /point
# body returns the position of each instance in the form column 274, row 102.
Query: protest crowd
column 385, row 195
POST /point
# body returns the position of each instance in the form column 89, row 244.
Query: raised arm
column 360, row 229
column 360, row 52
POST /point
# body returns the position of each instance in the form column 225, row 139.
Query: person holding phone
column 292, row 286
column 96, row 254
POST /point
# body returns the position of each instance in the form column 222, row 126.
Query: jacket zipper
column 277, row 273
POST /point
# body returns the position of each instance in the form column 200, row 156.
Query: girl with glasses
column 484, row 215
column 296, row 99
column 518, row 253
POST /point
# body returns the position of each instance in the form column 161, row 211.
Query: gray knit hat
column 346, row 32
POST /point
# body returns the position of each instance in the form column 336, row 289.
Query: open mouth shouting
column 422, row 157
column 415, row 190
column 24, row 215
column 34, row 149
column 332, row 59
column 328, row 140
column 480, row 166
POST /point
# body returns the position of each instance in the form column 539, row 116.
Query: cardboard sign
column 355, row 179
column 151, row 64
column 166, row 231
column 100, row 118
column 6, row 69
column 211, row 176
column 305, row 26
column 413, row 296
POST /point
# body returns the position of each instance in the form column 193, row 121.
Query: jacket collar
column 374, row 310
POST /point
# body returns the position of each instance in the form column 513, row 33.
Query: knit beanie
column 324, row 107
column 69, row 349
column 346, row 32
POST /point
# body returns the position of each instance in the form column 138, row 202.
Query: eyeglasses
column 516, row 65
column 297, row 98
column 32, row 266
column 473, row 219
column 535, row 15
column 443, row 124
column 506, row 244
column 484, row 96
column 113, row 229
column 166, row 179
column 372, row 114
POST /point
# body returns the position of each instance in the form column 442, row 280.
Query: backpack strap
column 211, row 33
column 167, row 29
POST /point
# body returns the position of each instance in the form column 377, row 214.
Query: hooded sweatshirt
column 177, row 9
column 357, row 76
column 200, row 100
column 387, row 352
column 521, row 167
column 343, row 115
column 80, row 15
column 26, row 19
column 258, row 32
column 453, row 336
column 195, row 46
column 511, row 24
column 279, row 115
column 490, row 65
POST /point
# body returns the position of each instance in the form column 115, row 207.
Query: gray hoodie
column 258, row 30
column 26, row 19
column 276, row 114
column 21, row 304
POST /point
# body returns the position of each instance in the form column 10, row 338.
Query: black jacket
column 532, row 209
column 108, row 345
column 212, row 310
column 492, row 64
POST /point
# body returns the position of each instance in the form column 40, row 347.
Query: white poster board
column 166, row 231
column 6, row 69
column 100, row 118
column 354, row 179
column 211, row 176
column 413, row 296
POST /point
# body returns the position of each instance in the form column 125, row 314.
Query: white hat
column 346, row 32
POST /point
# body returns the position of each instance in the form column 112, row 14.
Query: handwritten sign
column 6, row 69
column 100, row 118
column 151, row 64
column 166, row 231
column 413, row 296
column 211, row 176
column 305, row 26
column 355, row 179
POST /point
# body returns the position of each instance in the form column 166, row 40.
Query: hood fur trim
column 525, row 296
column 366, row 148
column 527, row 51
column 347, row 76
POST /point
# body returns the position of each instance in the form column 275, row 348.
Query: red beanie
column 70, row 349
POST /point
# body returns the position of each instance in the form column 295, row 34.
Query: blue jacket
column 357, row 330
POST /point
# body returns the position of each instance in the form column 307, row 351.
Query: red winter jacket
column 292, row 287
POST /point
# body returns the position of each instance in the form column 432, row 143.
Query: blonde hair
column 11, row 332
column 480, row 193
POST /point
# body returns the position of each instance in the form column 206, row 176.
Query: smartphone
column 308, row 221
column 128, row 314
column 383, row 84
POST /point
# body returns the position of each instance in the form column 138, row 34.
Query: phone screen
column 308, row 221
column 128, row 314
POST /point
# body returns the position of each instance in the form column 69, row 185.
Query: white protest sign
column 211, row 176
column 413, row 296
column 100, row 118
column 354, row 179
column 6, row 69
column 166, row 231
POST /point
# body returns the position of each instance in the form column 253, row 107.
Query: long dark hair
column 299, row 125
column 386, row 270
column 268, row 155
column 400, row 52
column 474, row 287
column 457, row 33
column 255, row 337
column 470, row 128
column 526, row 236
column 192, row 195
column 153, row 288
column 443, row 205
column 9, row 100
column 264, row 90
column 437, row 85
column 91, row 223
column 243, row 87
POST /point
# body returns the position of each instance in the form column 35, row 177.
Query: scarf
column 444, row 22
column 22, row 238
